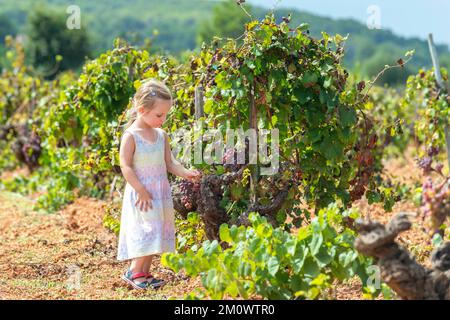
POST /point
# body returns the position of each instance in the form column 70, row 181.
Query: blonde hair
column 145, row 96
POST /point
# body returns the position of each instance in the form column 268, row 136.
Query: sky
column 408, row 18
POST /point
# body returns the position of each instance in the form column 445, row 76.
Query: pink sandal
column 154, row 283
column 129, row 277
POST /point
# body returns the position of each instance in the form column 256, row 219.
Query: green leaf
column 211, row 247
column 232, row 289
column 373, row 197
column 207, row 107
column 351, row 256
column 314, row 135
column 320, row 280
column 315, row 243
column 211, row 278
column 387, row 292
column 309, row 78
column 254, row 244
column 323, row 258
column 297, row 283
column 280, row 250
column 273, row 265
column 340, row 272
column 244, row 269
column 331, row 148
column 302, row 95
column 224, row 233
column 234, row 232
column 303, row 233
column 116, row 66
column 282, row 277
column 291, row 245
column 437, row 240
column 299, row 259
column 310, row 268
column 347, row 116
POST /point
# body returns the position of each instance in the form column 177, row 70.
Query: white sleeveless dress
column 151, row 232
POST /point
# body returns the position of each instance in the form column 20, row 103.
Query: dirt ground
column 70, row 255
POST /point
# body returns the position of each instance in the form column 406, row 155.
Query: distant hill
column 177, row 22
column 371, row 49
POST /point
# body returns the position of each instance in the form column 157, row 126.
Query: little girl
column 147, row 223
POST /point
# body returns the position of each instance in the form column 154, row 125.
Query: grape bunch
column 433, row 151
column 189, row 191
column 28, row 150
column 32, row 150
column 229, row 161
column 230, row 158
column 425, row 164
column 435, row 203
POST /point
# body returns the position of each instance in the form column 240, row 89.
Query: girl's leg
column 137, row 265
column 147, row 264
column 154, row 282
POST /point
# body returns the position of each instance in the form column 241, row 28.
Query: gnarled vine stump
column 409, row 279
column 207, row 202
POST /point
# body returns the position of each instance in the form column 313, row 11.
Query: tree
column 49, row 37
column 6, row 27
column 228, row 21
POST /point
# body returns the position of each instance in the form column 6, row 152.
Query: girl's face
column 156, row 116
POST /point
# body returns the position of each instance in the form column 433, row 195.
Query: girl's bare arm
column 172, row 165
column 126, row 153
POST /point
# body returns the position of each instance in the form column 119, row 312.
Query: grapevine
column 436, row 204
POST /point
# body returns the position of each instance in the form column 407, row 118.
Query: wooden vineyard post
column 441, row 84
column 198, row 100
column 198, row 125
column 253, row 125
column 32, row 105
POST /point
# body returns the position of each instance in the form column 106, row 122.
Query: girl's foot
column 137, row 280
column 154, row 282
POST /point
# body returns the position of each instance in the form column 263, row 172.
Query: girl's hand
column 144, row 200
column 193, row 175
